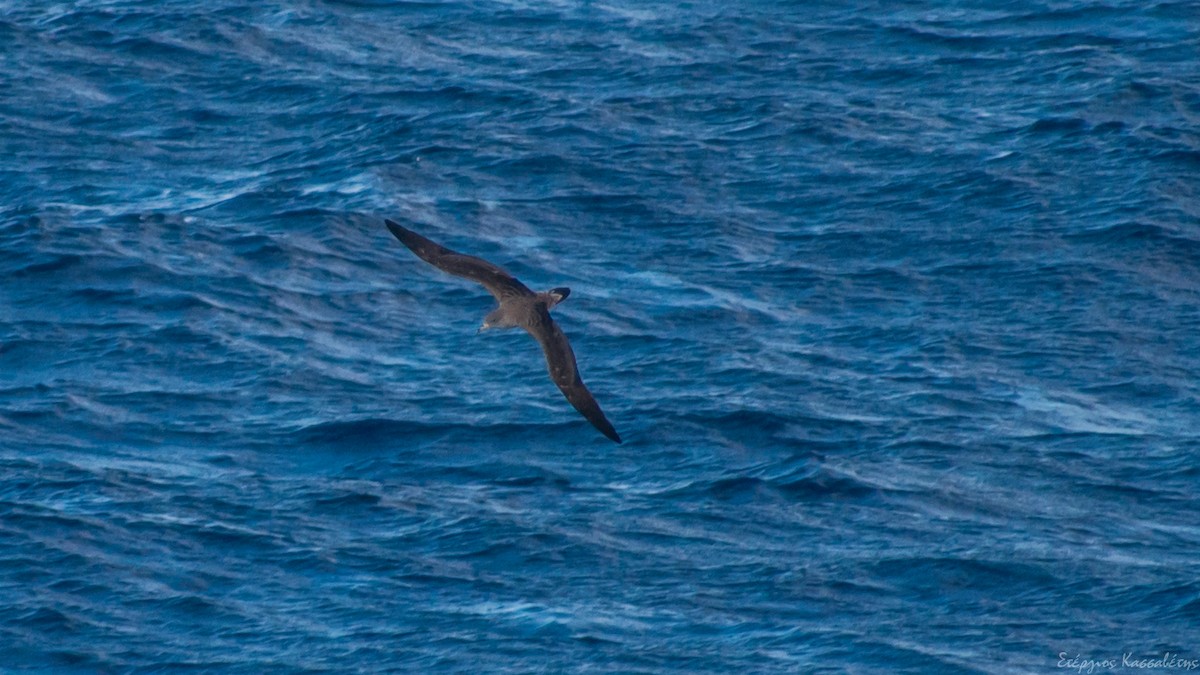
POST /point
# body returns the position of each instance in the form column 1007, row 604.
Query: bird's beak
column 479, row 330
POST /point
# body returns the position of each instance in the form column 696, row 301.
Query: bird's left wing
column 560, row 361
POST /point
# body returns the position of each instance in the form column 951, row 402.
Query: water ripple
column 895, row 307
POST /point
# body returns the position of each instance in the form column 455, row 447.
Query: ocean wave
column 894, row 308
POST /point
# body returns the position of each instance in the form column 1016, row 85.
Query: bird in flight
column 519, row 307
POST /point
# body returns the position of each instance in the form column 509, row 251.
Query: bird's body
column 512, row 311
column 518, row 307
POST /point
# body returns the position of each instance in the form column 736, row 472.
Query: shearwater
column 518, row 307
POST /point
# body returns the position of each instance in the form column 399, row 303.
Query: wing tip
column 415, row 242
column 395, row 228
column 612, row 434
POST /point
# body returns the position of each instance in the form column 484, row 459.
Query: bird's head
column 494, row 319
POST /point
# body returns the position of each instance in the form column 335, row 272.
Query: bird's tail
column 558, row 294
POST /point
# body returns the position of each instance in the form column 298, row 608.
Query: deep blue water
column 897, row 306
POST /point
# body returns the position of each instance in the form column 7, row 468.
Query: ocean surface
column 896, row 305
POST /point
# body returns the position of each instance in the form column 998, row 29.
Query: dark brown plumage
column 518, row 307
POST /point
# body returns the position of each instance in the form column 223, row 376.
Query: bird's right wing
column 560, row 361
column 498, row 282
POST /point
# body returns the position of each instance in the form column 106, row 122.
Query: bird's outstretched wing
column 560, row 361
column 498, row 282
